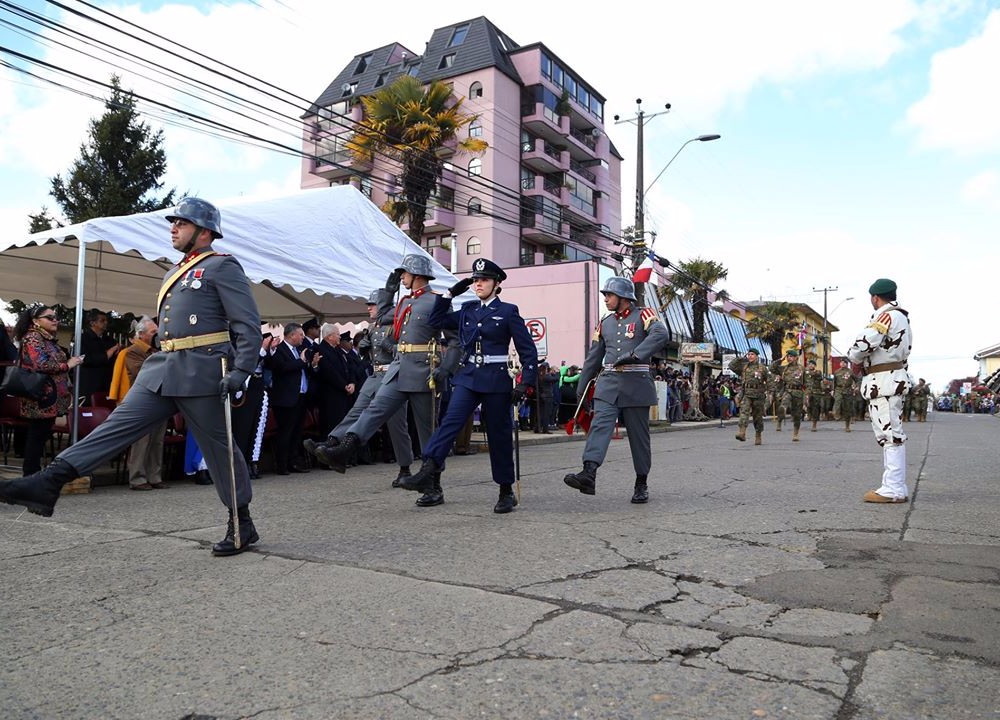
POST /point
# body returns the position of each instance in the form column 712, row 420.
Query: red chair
column 10, row 419
column 100, row 399
column 173, row 443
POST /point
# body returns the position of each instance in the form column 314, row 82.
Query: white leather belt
column 380, row 368
column 485, row 359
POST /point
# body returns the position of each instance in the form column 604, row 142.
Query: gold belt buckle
column 167, row 345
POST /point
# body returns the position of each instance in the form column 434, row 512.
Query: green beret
column 754, row 351
column 882, row 286
column 793, row 352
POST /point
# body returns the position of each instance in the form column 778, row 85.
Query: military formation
column 210, row 340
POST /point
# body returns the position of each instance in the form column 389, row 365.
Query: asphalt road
column 755, row 584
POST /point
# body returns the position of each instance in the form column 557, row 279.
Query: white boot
column 894, row 474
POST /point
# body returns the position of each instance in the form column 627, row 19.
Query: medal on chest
column 630, row 330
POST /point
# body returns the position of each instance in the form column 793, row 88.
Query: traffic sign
column 537, row 327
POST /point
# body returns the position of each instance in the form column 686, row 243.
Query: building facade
column 544, row 198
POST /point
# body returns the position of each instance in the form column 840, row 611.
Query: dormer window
column 458, row 36
column 447, row 61
column 414, row 70
column 380, row 80
column 363, row 64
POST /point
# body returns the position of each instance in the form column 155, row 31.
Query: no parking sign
column 538, row 329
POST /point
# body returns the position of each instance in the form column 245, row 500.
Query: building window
column 475, row 206
column 476, row 90
column 348, row 89
column 458, row 35
column 380, row 80
column 446, row 198
column 476, row 129
column 475, row 166
column 473, row 247
column 363, row 64
column 414, row 70
column 527, row 178
column 366, row 186
column 447, row 61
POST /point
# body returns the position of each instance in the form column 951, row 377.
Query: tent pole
column 81, row 269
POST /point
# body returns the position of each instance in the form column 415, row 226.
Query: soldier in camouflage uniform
column 814, row 392
column 908, row 405
column 919, row 393
column 845, row 384
column 776, row 399
column 754, row 378
column 618, row 362
column 793, row 379
column 826, row 384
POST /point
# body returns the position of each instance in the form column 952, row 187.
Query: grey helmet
column 417, row 265
column 199, row 212
column 373, row 297
column 622, row 287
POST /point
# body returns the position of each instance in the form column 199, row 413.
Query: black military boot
column 39, row 491
column 423, row 481
column 585, row 480
column 336, row 455
column 507, row 501
column 248, row 534
column 404, row 472
column 641, row 493
column 434, row 496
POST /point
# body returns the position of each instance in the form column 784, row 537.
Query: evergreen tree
column 42, row 220
column 119, row 166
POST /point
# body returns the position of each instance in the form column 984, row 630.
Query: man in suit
column 356, row 374
column 206, row 313
column 98, row 352
column 333, row 380
column 291, row 367
column 410, row 377
column 626, row 339
column 381, row 348
column 486, row 327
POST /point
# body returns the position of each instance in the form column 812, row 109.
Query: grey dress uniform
column 628, row 387
column 211, row 307
column 407, row 377
column 383, row 350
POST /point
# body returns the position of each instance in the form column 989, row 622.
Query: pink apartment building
column 544, row 201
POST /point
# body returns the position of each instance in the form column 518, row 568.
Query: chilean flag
column 644, row 272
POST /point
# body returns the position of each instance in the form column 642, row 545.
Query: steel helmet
column 622, row 287
column 199, row 212
column 417, row 265
column 373, row 297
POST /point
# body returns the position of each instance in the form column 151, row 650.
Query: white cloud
column 983, row 190
column 961, row 110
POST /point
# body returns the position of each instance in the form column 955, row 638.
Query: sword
column 232, row 468
column 432, row 362
column 517, row 452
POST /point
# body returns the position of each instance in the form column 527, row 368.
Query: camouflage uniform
column 920, row 394
column 845, row 384
column 814, row 394
column 793, row 380
column 754, row 378
column 775, row 399
column 827, row 403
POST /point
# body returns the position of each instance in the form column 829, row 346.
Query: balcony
column 587, row 139
column 338, row 164
column 541, row 228
column 542, row 121
column 437, row 220
column 544, row 157
column 542, row 186
column 581, row 170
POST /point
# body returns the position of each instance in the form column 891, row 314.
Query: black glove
column 627, row 360
column 518, row 394
column 460, row 287
column 392, row 282
column 440, row 377
column 232, row 381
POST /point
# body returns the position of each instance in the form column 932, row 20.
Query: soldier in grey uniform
column 625, row 341
column 382, row 348
column 206, row 313
column 410, row 377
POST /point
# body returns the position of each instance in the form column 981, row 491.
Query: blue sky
column 859, row 139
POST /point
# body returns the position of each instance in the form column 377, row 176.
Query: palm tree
column 695, row 279
column 773, row 322
column 409, row 123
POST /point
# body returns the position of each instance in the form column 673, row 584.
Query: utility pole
column 639, row 248
column 826, row 336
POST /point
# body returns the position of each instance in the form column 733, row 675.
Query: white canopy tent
column 312, row 253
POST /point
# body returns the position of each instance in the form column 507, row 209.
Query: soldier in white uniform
column 882, row 349
column 625, row 341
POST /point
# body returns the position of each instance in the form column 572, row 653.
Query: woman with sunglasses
column 36, row 330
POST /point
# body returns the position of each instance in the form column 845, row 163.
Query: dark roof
column 484, row 46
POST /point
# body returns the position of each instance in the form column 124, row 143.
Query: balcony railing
column 585, row 138
column 580, row 170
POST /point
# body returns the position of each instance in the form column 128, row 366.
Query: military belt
column 486, row 359
column 193, row 341
column 883, row 367
column 380, row 368
column 411, row 348
column 628, row 367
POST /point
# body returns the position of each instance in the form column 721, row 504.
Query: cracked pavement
column 755, row 584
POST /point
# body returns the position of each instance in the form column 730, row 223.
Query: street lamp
column 700, row 138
